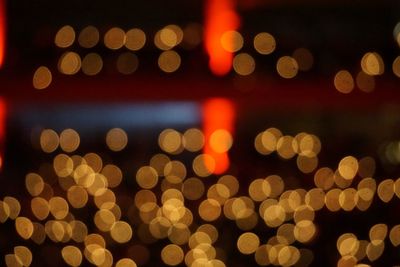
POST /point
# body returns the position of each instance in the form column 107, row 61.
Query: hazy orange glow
column 218, row 114
column 2, row 129
column 2, row 31
column 220, row 17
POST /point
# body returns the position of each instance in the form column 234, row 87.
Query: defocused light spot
column 65, row 37
column 92, row 64
column 232, row 41
column 248, row 243
column 344, row 82
column 323, row 178
column 192, row 35
column 169, row 61
column 394, row 235
column 125, row 263
column 372, row 64
column 135, row 39
column 348, row 167
column 58, row 207
column 193, row 188
column 396, row 64
column 89, row 37
column 172, row 255
column 221, row 141
column 40, row 208
column 69, row 140
column 375, row 251
column 306, row 164
column 113, row 175
column 114, row 38
column 287, row 67
column 34, row 184
column 209, row 210
column 49, row 140
column 121, row 232
column 264, row 43
column 23, row 254
column 127, row 63
column 24, row 227
column 204, row 165
column 244, row 64
column 116, row 139
column 365, row 82
column 304, row 58
column 42, row 78
column 386, row 190
column 304, row 231
column 193, row 140
column 147, row 177
column 77, row 196
column 69, row 63
column 72, row 256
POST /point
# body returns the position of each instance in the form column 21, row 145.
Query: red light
column 2, row 129
column 2, row 31
column 220, row 17
column 218, row 114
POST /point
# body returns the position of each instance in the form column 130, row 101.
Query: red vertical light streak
column 218, row 114
column 220, row 17
column 2, row 130
column 2, row 31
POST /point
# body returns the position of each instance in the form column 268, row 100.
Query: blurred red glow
column 2, row 129
column 2, row 31
column 218, row 114
column 220, row 17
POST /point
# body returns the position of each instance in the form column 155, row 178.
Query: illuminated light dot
column 113, row 175
column 192, row 35
column 231, row 183
column 244, row 64
column 147, row 177
column 274, row 215
column 58, row 207
column 98, row 184
column 288, row 256
column 332, row 199
column 344, row 82
column 386, row 190
column 209, row 210
column 248, row 243
column 348, row 199
column 125, row 263
column 63, row 165
column 304, row 231
column 285, row 234
column 261, row 255
column 309, row 145
column 69, row 63
column 277, row 185
column 127, row 63
column 179, row 233
column 23, row 254
column 365, row 82
column 203, row 165
column 11, row 260
column 89, row 37
column 304, row 58
column 135, row 39
column 84, row 175
column 72, row 256
column 34, row 184
column 193, row 188
column 218, row 192
column 104, row 199
column 306, row 164
column 196, row 258
column 378, row 233
column 323, row 178
column 14, row 207
column 42, row 78
column 95, row 254
column 159, row 227
column 79, row 231
column 264, row 43
column 168, row 38
column 221, row 141
column 40, row 208
column 193, row 140
column 347, row 261
column 340, row 181
column 24, row 227
column 348, row 167
column 65, row 37
column 394, row 235
column 315, row 198
column 77, row 196
column 39, row 234
column 144, row 196
column 259, row 189
column 286, row 147
column 170, row 141
column 114, row 38
column 231, row 41
column 94, row 161
column 95, row 239
column 396, row 66
column 121, row 232
column 104, row 220
column 69, row 140
column 169, row 61
column 366, row 188
column 116, row 139
column 366, row 167
column 287, row 67
column 210, row 230
column 174, row 172
column 375, row 251
column 92, row 64
column 304, row 212
column 49, row 140
column 372, row 64
column 172, row 255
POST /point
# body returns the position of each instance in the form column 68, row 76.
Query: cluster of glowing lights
column 182, row 204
